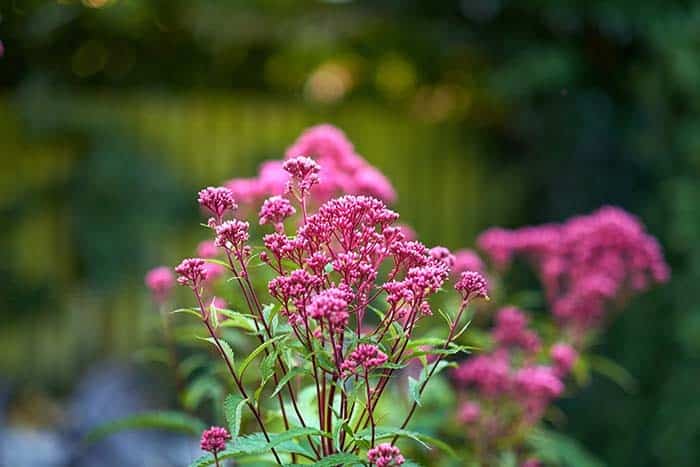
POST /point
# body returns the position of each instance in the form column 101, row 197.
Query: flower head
column 511, row 330
column 343, row 171
column 232, row 235
column 218, row 200
column 586, row 263
column 304, row 172
column 192, row 272
column 441, row 253
column 365, row 357
column 275, row 210
column 330, row 307
column 214, row 439
column 472, row 284
column 161, row 281
column 385, row 455
column 563, row 356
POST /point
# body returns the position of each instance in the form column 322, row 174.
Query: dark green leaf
column 261, row 348
column 296, row 371
column 170, row 421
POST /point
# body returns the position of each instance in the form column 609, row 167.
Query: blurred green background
column 481, row 112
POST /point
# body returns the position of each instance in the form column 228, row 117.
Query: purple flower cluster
column 364, row 357
column 385, row 455
column 585, row 264
column 275, row 210
column 472, row 284
column 342, row 170
column 217, row 200
column 160, row 281
column 511, row 330
column 507, row 389
column 192, row 272
column 214, row 439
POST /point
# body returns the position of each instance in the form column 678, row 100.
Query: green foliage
column 556, row 449
column 233, row 410
column 427, row 442
column 161, row 420
column 258, row 350
column 256, row 444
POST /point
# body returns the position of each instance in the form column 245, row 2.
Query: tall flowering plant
column 337, row 320
column 589, row 266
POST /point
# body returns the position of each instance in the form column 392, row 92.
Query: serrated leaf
column 296, row 371
column 228, row 351
column 163, row 420
column 252, row 444
column 233, row 410
column 258, row 350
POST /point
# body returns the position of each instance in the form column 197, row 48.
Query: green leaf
column 341, row 458
column 257, row 444
column 192, row 363
column 261, row 348
column 163, row 420
column 414, row 390
column 238, row 320
column 233, row 408
column 507, row 459
column 189, row 311
column 296, row 371
column 615, row 372
column 224, row 345
column 394, row 366
column 556, row 449
column 383, row 432
column 219, row 262
column 205, row 386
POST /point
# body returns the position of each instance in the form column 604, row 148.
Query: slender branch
column 440, row 357
column 232, row 371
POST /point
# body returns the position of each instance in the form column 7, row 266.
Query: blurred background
column 481, row 112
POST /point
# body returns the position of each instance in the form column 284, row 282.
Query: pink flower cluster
column 385, row 455
column 160, row 281
column 365, row 357
column 214, row 439
column 191, row 272
column 275, row 210
column 511, row 331
column 217, row 200
column 342, row 170
column 585, row 264
column 472, row 284
column 506, row 387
